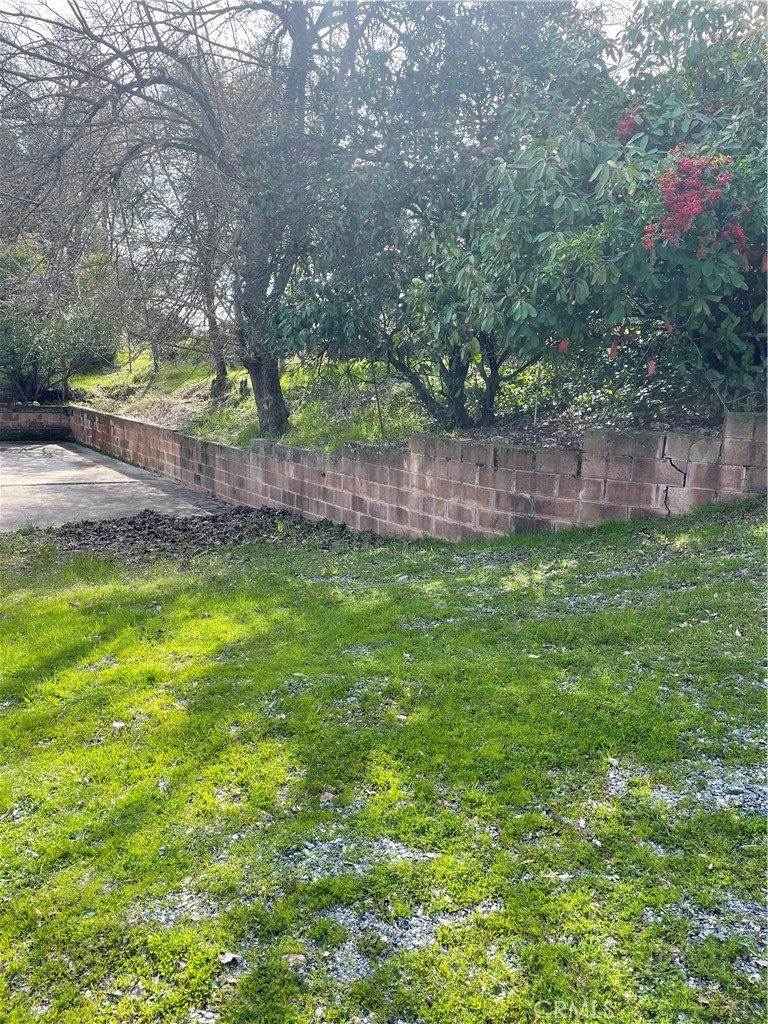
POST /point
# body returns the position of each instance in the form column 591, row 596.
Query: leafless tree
column 227, row 86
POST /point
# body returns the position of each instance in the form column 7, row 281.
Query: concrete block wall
column 34, row 422
column 456, row 489
column 452, row 489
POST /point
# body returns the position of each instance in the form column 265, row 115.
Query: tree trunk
column 203, row 228
column 449, row 410
column 221, row 383
column 491, row 378
column 423, row 393
column 264, row 372
column 262, row 365
column 453, row 380
column 256, row 289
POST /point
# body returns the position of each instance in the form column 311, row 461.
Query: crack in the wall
column 682, row 472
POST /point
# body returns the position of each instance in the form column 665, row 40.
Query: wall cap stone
column 27, row 406
column 608, row 441
column 745, row 424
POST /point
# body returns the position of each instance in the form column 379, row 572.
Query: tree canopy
column 458, row 189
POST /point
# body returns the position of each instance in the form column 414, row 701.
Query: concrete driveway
column 51, row 484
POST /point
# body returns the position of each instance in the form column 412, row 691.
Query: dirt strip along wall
column 441, row 487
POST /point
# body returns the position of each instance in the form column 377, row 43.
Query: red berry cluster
column 690, row 187
column 649, row 237
column 629, row 122
column 685, row 195
column 734, row 232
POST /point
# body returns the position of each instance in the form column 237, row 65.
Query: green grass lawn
column 496, row 782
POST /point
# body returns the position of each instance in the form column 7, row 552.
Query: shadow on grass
column 499, row 696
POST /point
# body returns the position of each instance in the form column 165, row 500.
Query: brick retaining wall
column 452, row 489
column 34, row 422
